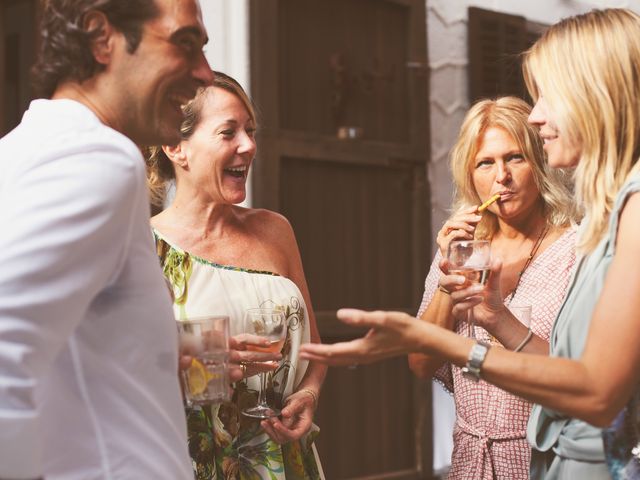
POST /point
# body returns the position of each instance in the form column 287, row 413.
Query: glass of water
column 206, row 340
column 472, row 260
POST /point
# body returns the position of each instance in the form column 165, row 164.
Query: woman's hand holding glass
column 271, row 325
column 489, row 310
column 461, row 226
column 469, row 260
column 485, row 299
column 242, row 362
column 247, row 363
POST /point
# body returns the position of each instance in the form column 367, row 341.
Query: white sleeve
column 65, row 225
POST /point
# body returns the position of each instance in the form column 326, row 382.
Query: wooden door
column 342, row 91
column 18, row 42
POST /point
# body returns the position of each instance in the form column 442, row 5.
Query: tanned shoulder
column 272, row 227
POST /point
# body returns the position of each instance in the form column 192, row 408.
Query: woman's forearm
column 312, row 381
column 438, row 313
column 561, row 384
column 557, row 383
column 314, row 377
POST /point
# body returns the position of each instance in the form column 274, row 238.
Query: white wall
column 227, row 23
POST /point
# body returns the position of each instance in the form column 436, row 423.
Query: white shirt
column 88, row 348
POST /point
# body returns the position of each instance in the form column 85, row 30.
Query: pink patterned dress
column 489, row 438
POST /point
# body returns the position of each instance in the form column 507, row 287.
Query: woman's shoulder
column 273, row 231
column 633, row 181
column 261, row 216
column 266, row 223
column 630, row 188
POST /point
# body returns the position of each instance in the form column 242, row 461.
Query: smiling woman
column 220, row 258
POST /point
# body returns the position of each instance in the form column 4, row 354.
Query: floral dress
column 223, row 443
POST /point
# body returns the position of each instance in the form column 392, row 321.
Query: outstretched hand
column 391, row 334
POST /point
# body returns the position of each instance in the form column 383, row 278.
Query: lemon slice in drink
column 197, row 377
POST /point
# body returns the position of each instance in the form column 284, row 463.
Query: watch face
column 476, row 357
column 478, row 352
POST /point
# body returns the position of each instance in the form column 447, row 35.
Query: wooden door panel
column 385, row 405
column 18, row 43
column 356, row 55
column 358, row 207
column 352, row 220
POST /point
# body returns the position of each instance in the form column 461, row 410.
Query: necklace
column 532, row 254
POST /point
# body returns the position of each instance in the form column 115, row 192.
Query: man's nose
column 202, row 71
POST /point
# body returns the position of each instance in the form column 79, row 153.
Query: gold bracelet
column 313, row 394
column 443, row 290
column 524, row 341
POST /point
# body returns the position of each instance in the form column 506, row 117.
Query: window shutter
column 496, row 41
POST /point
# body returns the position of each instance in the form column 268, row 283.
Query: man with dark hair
column 88, row 349
column 66, row 41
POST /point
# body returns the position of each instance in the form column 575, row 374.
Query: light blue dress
column 563, row 447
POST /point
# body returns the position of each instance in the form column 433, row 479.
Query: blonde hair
column 509, row 114
column 588, row 69
column 160, row 170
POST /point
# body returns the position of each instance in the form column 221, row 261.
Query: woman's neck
column 197, row 217
column 527, row 227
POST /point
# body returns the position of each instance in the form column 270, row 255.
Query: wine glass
column 269, row 323
column 470, row 259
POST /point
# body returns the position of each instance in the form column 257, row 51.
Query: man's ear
column 103, row 32
column 176, row 154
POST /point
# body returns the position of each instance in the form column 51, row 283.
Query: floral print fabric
column 223, row 443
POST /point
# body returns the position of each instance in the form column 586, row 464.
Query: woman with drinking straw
column 499, row 156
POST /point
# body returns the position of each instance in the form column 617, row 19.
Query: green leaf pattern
column 223, row 443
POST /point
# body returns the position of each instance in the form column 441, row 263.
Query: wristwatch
column 474, row 363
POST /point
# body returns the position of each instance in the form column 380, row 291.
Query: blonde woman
column 498, row 152
column 584, row 74
column 223, row 258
